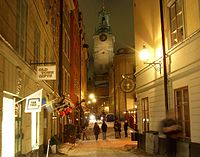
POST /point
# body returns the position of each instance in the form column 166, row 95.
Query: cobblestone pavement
column 110, row 148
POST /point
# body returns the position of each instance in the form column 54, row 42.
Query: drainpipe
column 164, row 57
column 60, row 88
column 114, row 93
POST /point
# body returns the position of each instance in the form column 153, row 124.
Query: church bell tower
column 103, row 52
column 103, row 44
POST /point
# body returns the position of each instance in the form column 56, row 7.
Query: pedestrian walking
column 96, row 130
column 126, row 128
column 172, row 131
column 117, row 128
column 104, row 129
column 84, row 133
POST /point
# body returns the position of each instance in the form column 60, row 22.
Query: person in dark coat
column 104, row 129
column 96, row 130
column 117, row 128
column 126, row 128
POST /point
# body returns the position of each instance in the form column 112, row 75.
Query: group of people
column 117, row 128
column 97, row 130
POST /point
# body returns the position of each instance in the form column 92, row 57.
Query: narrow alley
column 111, row 147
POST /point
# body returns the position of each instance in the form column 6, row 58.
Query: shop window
column 182, row 110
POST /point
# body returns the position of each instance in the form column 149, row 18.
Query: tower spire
column 104, row 25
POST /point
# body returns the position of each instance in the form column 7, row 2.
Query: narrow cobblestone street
column 111, row 147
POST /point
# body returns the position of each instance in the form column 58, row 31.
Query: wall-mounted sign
column 34, row 102
column 46, row 72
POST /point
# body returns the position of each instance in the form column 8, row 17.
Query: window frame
column 36, row 45
column 179, row 30
column 186, row 128
column 145, row 114
column 46, row 52
column 66, row 81
column 21, row 30
column 66, row 47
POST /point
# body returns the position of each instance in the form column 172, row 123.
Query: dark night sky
column 121, row 20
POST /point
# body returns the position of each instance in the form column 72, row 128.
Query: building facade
column 177, row 35
column 31, row 35
column 121, row 90
column 27, row 38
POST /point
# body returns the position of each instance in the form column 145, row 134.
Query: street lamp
column 145, row 55
column 91, row 96
column 92, row 99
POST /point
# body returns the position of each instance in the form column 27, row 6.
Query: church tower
column 103, row 44
column 103, row 53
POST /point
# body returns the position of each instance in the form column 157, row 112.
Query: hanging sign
column 127, row 85
column 46, row 72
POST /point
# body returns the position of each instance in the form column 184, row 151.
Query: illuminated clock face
column 103, row 37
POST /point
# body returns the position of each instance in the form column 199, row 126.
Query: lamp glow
column 144, row 54
column 94, row 100
column 91, row 96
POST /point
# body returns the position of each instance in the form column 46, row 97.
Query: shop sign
column 46, row 72
column 34, row 102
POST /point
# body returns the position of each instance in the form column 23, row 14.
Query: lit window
column 176, row 22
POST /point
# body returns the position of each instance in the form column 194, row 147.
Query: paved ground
column 110, row 147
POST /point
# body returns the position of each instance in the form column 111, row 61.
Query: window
column 145, row 114
column 47, row 7
column 182, row 110
column 66, row 45
column 66, row 17
column 46, row 54
column 176, row 22
column 21, row 27
column 66, row 82
column 36, row 45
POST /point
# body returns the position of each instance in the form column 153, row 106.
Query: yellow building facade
column 181, row 30
column 27, row 36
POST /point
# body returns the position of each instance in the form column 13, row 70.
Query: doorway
column 8, row 127
column 11, row 128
